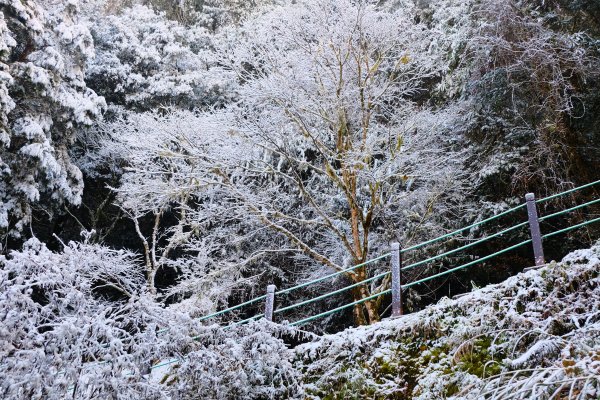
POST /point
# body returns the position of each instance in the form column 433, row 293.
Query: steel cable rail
column 456, row 232
column 287, row 290
column 381, row 275
column 414, row 283
column 323, row 314
column 323, row 296
column 233, row 308
column 417, row 246
column 502, row 232
column 568, row 210
column 337, row 273
column 423, row 262
column 438, row 275
column 321, row 279
column 469, row 264
column 384, row 274
column 554, row 196
column 570, row 228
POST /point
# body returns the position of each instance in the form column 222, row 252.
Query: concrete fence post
column 396, row 281
column 270, row 302
column 534, row 228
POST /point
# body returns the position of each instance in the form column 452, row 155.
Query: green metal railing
column 532, row 221
column 420, row 263
column 371, row 261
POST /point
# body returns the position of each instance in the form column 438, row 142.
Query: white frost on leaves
column 535, row 354
column 50, row 102
column 80, row 323
column 153, row 61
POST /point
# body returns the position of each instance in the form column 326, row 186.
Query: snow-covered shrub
column 247, row 363
column 74, row 323
column 80, row 323
column 43, row 99
column 144, row 61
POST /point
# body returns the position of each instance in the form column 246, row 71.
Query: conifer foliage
column 43, row 98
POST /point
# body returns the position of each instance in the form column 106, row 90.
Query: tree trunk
column 359, row 316
column 365, row 313
column 372, row 311
column 151, row 271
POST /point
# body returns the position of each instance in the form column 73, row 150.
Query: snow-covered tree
column 211, row 14
column 145, row 60
column 329, row 106
column 347, row 133
column 80, row 323
column 43, row 100
column 157, row 53
column 327, row 147
column 168, row 192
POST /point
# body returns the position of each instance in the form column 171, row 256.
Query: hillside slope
column 534, row 336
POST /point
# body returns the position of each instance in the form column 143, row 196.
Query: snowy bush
column 81, row 323
column 248, row 363
column 43, row 100
column 145, row 61
column 73, row 322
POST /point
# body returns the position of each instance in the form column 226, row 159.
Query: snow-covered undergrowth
column 80, row 324
column 534, row 336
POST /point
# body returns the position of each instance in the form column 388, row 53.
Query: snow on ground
column 535, row 335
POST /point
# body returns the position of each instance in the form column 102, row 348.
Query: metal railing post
column 534, row 228
column 396, row 281
column 270, row 302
